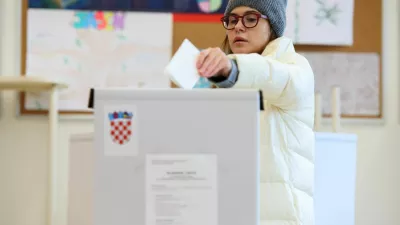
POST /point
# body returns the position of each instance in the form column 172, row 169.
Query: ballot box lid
column 174, row 93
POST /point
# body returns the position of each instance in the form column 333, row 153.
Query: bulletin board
column 367, row 39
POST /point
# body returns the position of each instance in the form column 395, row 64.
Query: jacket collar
column 278, row 47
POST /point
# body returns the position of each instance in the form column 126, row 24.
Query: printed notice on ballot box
column 181, row 189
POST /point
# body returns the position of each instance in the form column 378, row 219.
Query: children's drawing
column 96, row 49
column 320, row 22
column 170, row 6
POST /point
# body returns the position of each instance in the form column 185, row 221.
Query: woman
column 257, row 56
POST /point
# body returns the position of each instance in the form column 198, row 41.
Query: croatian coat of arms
column 120, row 127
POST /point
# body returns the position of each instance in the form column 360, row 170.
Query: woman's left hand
column 213, row 61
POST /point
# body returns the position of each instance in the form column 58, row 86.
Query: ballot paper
column 182, row 67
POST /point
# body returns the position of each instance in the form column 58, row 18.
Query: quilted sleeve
column 285, row 84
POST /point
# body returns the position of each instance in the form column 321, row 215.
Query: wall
column 23, row 150
column 23, row 141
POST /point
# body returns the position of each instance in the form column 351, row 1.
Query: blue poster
column 173, row 6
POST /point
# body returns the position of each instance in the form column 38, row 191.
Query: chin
column 240, row 50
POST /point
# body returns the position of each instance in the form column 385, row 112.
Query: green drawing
column 328, row 13
column 79, row 68
column 78, row 43
column 124, row 67
column 66, row 61
column 121, row 37
column 38, row 105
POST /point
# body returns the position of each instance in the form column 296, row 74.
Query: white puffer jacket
column 287, row 138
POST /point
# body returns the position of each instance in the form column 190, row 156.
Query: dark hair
column 227, row 49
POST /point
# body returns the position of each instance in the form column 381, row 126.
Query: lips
column 239, row 39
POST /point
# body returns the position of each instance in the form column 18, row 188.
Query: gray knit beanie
column 275, row 10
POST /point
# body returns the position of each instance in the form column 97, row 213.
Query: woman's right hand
column 213, row 62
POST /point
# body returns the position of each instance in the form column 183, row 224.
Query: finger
column 201, row 57
column 213, row 72
column 214, row 67
column 209, row 61
column 217, row 64
column 212, row 59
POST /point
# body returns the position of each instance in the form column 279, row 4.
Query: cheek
column 230, row 35
column 261, row 35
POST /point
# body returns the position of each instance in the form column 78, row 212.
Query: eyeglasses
column 249, row 20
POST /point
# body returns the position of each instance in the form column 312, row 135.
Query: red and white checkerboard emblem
column 120, row 127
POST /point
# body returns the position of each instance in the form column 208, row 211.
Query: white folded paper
column 182, row 67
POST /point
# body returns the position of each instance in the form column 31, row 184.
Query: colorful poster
column 89, row 49
column 313, row 22
column 175, row 6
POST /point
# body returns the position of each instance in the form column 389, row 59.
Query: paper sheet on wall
column 324, row 22
column 357, row 75
column 96, row 49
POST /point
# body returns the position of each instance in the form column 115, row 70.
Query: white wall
column 23, row 141
column 23, row 149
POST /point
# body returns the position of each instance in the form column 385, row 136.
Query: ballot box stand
column 176, row 156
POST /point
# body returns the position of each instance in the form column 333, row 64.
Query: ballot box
column 176, row 157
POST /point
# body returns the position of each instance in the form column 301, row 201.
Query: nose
column 239, row 25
